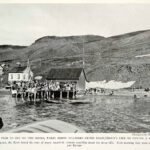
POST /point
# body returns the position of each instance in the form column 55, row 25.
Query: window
column 11, row 75
column 24, row 76
column 18, row 76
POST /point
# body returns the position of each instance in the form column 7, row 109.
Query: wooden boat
column 48, row 126
column 79, row 101
column 54, row 101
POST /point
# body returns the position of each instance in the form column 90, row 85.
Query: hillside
column 112, row 58
column 9, row 53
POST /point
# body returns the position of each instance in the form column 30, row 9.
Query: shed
column 76, row 75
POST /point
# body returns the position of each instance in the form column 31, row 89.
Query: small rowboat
column 48, row 126
column 54, row 101
column 79, row 101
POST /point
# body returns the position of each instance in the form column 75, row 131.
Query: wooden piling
column 67, row 94
column 73, row 95
column 28, row 96
column 22, row 96
column 60, row 94
column 34, row 96
column 49, row 95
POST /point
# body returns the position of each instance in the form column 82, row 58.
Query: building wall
column 18, row 77
column 81, row 82
column 1, row 71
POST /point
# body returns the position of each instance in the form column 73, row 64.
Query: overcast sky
column 22, row 24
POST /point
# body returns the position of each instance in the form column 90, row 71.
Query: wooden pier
column 41, row 95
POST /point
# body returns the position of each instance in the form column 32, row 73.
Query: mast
column 28, row 63
column 28, row 67
column 83, row 52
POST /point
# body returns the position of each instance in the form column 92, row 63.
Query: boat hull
column 48, row 126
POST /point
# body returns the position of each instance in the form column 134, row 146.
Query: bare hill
column 112, row 58
column 9, row 53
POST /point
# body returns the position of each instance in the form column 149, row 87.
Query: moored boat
column 54, row 101
column 79, row 101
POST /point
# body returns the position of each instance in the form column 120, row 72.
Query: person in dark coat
column 1, row 123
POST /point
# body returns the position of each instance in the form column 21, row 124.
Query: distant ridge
column 12, row 46
column 125, row 35
column 71, row 38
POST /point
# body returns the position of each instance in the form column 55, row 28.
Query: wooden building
column 1, row 70
column 20, row 73
column 75, row 75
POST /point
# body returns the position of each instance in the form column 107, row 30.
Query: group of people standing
column 40, row 89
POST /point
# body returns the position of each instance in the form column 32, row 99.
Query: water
column 116, row 114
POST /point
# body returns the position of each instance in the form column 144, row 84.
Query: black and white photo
column 75, row 68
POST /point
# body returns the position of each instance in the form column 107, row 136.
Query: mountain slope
column 9, row 53
column 112, row 58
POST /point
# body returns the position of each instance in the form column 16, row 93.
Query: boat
column 48, row 126
column 79, row 101
column 54, row 101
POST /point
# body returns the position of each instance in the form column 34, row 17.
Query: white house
column 20, row 73
column 1, row 70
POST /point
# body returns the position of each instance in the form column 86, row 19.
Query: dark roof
column 65, row 74
column 19, row 69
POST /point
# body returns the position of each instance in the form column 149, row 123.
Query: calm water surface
column 104, row 114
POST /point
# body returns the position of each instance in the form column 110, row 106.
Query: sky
column 22, row 24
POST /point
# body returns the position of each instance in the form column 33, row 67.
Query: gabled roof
column 65, row 74
column 19, row 69
column 1, row 67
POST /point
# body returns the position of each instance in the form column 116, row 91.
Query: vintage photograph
column 75, row 68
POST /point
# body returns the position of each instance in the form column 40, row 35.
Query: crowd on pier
column 35, row 87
